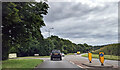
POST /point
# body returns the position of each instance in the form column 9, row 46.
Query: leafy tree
column 10, row 18
column 21, row 24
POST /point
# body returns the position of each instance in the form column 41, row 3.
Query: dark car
column 56, row 54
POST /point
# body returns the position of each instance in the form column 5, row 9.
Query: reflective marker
column 101, row 58
column 90, row 56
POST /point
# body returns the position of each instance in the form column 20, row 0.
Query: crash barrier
column 101, row 58
column 13, row 55
column 90, row 57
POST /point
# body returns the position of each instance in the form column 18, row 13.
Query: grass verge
column 26, row 64
column 109, row 57
column 35, row 57
column 71, row 54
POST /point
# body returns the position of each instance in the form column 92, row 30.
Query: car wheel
column 60, row 58
column 51, row 58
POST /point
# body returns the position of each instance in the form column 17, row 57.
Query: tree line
column 53, row 42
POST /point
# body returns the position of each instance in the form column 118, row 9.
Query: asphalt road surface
column 57, row 65
column 71, row 62
column 78, row 58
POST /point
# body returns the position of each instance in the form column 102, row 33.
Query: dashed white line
column 77, row 65
column 71, row 62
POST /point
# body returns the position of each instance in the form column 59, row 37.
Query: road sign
column 90, row 57
column 12, row 55
column 101, row 58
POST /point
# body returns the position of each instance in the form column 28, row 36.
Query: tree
column 21, row 24
column 10, row 18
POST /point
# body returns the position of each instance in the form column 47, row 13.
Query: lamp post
column 49, row 36
column 49, row 31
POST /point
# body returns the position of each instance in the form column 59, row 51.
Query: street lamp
column 49, row 36
column 49, row 30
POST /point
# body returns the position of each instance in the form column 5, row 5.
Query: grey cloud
column 70, row 9
column 77, row 21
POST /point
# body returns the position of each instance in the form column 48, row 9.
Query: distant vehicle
column 63, row 54
column 78, row 52
column 56, row 54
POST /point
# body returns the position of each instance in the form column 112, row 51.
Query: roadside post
column 90, row 57
column 101, row 58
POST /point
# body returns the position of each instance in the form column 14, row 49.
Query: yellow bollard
column 90, row 57
column 101, row 58
column 78, row 52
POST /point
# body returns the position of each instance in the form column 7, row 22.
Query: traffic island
column 97, row 65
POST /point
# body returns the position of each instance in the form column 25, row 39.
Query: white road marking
column 77, row 65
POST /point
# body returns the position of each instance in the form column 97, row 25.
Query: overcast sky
column 91, row 22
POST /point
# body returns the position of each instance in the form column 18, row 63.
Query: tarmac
column 83, row 62
column 97, row 65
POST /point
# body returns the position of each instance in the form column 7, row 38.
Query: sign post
column 101, row 58
column 90, row 57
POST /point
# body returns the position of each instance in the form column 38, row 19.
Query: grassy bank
column 27, row 64
column 109, row 57
column 35, row 57
column 71, row 54
column 111, row 49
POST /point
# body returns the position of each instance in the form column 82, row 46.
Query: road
column 56, row 64
column 80, row 59
column 71, row 62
